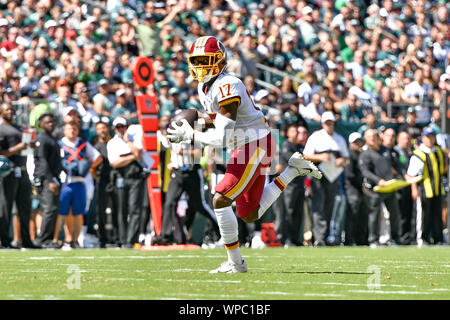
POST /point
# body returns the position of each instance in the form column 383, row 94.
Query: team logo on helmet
column 207, row 58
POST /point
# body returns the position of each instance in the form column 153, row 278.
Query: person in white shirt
column 311, row 111
column 307, row 89
column 125, row 158
column 325, row 147
column 414, row 91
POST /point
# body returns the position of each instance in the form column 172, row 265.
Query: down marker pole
column 143, row 76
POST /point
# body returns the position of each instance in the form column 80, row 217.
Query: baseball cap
column 149, row 16
column 70, row 33
column 444, row 77
column 69, row 109
column 380, row 64
column 54, row 46
column 261, row 94
column 85, row 24
column 164, row 83
column 120, row 92
column 328, row 115
column 44, row 79
column 50, row 23
column 306, row 10
column 22, row 41
column 370, row 64
column 402, row 17
column 120, row 120
column 102, row 82
column 354, row 136
column 427, row 131
column 61, row 82
column 383, row 13
column 173, row 91
column 3, row 22
column 331, row 65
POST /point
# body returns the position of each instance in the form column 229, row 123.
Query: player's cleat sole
column 304, row 167
column 230, row 267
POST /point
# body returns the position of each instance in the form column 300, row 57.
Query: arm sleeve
column 220, row 135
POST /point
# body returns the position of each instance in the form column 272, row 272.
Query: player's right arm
column 223, row 124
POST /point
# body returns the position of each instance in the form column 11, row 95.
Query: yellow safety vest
column 433, row 170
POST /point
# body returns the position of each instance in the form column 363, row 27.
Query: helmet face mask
column 207, row 59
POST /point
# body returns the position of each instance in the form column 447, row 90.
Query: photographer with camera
column 128, row 178
column 48, row 167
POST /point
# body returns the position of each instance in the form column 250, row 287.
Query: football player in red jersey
column 240, row 126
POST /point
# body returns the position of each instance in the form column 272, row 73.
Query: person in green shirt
column 352, row 45
column 149, row 29
column 122, row 108
column 369, row 77
column 172, row 104
column 351, row 111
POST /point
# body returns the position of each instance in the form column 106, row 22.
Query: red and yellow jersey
column 251, row 124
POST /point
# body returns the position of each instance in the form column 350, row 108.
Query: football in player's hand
column 189, row 114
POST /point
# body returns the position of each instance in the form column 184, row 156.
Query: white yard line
column 376, row 291
column 323, row 295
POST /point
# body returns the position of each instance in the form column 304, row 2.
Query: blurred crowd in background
column 373, row 64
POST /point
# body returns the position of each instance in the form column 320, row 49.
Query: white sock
column 228, row 226
column 273, row 190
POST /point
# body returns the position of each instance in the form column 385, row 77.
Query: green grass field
column 274, row 273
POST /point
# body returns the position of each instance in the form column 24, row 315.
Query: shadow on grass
column 326, row 272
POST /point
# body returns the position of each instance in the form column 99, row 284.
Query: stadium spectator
column 404, row 150
column 79, row 157
column 411, row 125
column 18, row 190
column 4, row 216
column 311, row 112
column 291, row 216
column 428, row 160
column 351, row 111
column 377, row 167
column 123, row 155
column 325, row 146
column 356, row 221
column 48, row 167
column 103, row 189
